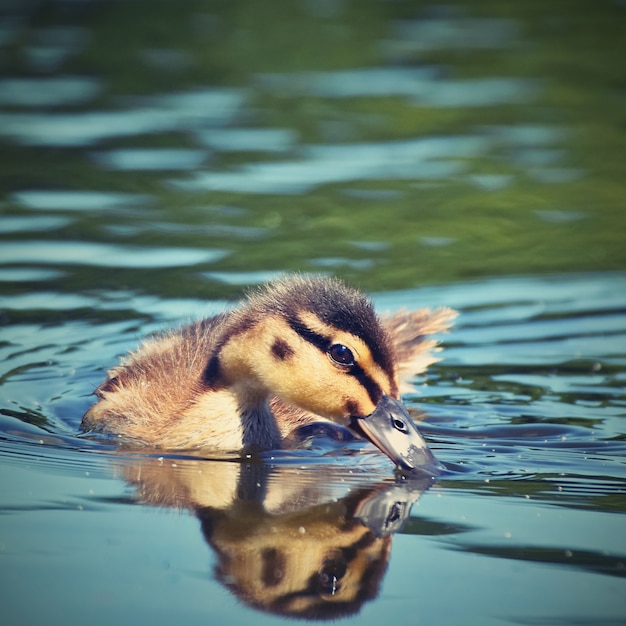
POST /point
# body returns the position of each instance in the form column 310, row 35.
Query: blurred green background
column 528, row 98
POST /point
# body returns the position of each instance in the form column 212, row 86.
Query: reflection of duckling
column 299, row 350
column 319, row 562
column 289, row 542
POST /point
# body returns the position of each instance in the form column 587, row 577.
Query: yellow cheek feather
column 304, row 375
column 312, row 382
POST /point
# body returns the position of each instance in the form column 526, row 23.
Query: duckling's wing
column 409, row 331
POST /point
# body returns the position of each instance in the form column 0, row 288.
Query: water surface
column 157, row 159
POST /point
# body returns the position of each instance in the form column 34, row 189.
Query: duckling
column 297, row 351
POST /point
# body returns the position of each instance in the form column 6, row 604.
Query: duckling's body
column 297, row 351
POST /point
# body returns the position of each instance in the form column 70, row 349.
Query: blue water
column 158, row 158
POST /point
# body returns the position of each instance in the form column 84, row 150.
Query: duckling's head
column 318, row 344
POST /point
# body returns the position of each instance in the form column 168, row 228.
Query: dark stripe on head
column 373, row 389
column 319, row 341
column 347, row 309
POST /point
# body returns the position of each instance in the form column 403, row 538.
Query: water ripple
column 423, row 86
column 158, row 114
column 421, row 158
column 60, row 200
column 46, row 92
column 106, row 255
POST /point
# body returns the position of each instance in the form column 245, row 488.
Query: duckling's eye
column 341, row 354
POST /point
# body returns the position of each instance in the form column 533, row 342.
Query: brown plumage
column 296, row 351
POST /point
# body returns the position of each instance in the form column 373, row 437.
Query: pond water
column 157, row 158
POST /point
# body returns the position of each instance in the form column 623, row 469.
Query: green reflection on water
column 524, row 205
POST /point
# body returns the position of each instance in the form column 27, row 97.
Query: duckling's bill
column 390, row 428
